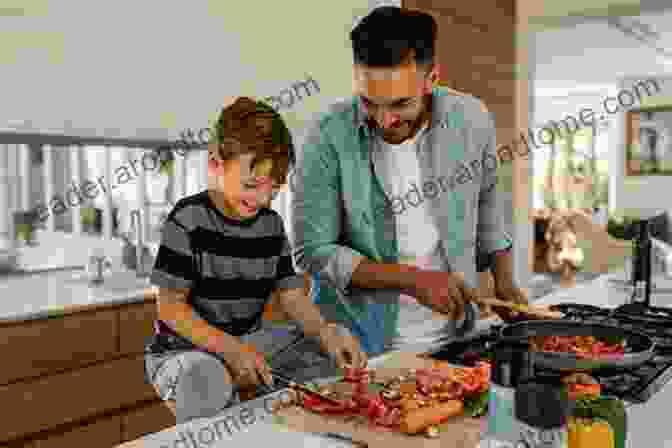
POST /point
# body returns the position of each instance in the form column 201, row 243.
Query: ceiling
column 600, row 50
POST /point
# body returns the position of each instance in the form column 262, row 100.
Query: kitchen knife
column 525, row 309
column 341, row 436
column 301, row 388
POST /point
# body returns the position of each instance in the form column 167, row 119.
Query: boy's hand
column 248, row 367
column 338, row 342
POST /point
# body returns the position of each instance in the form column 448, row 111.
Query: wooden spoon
column 525, row 309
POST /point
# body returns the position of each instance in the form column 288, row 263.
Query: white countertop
column 647, row 423
column 59, row 292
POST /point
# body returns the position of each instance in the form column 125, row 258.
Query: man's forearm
column 372, row 275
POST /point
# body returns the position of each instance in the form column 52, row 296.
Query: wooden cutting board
column 460, row 432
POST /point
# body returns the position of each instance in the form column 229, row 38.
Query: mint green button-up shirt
column 340, row 214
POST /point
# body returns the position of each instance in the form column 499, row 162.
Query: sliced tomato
column 310, row 400
column 376, row 409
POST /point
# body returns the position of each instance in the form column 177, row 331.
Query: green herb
column 613, row 339
column 476, row 405
column 375, row 387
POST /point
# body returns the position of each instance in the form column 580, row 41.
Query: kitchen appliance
column 635, row 384
column 641, row 265
column 511, row 366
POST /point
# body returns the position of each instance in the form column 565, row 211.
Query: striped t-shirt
column 230, row 266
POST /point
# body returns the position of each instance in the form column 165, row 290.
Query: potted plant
column 90, row 219
column 26, row 225
column 620, row 227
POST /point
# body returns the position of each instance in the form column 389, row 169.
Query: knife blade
column 341, row 436
column 300, row 387
column 525, row 309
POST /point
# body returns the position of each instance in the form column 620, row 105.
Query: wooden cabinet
column 136, row 324
column 105, row 432
column 78, row 380
column 146, row 420
column 48, row 346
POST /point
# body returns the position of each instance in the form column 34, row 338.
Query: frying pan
column 638, row 348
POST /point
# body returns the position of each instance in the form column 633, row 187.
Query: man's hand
column 443, row 292
column 509, row 292
column 248, row 367
column 338, row 342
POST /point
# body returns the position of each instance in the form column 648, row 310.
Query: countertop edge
column 131, row 297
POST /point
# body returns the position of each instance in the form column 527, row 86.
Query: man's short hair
column 390, row 36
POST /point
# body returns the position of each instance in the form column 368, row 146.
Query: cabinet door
column 51, row 345
column 102, row 433
column 146, row 420
column 136, row 326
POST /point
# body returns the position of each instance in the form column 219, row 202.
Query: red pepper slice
column 577, row 390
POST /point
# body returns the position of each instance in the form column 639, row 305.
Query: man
column 358, row 168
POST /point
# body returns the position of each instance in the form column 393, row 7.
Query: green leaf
column 613, row 339
column 375, row 388
column 476, row 405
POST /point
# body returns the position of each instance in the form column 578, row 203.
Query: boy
column 223, row 253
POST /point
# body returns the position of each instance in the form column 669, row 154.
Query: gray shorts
column 195, row 379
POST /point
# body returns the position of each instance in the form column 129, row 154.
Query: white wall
column 153, row 68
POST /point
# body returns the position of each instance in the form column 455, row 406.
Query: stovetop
column 635, row 384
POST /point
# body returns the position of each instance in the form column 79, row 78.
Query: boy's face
column 244, row 189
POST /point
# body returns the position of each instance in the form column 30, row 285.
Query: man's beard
column 407, row 128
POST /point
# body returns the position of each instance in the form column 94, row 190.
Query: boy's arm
column 335, row 339
column 300, row 307
column 174, row 310
column 174, row 273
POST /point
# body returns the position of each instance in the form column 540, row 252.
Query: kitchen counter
column 58, row 292
column 647, row 423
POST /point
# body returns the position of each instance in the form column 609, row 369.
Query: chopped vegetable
column 609, row 409
column 585, row 346
column 425, row 397
column 476, row 405
column 586, row 433
column 432, row 432
column 578, row 390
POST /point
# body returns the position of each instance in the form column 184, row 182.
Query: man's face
column 245, row 189
column 395, row 98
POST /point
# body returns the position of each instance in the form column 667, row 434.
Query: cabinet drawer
column 104, row 433
column 148, row 419
column 29, row 444
column 136, row 325
column 46, row 403
column 51, row 345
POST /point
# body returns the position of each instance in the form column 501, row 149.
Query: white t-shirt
column 398, row 169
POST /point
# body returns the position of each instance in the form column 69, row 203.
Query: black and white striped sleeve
column 174, row 265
